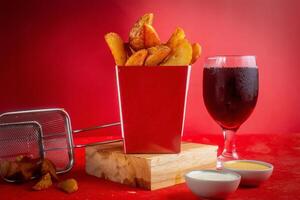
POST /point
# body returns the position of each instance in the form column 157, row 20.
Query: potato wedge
column 136, row 34
column 176, row 37
column 151, row 37
column 4, row 168
column 196, row 52
column 44, row 183
column 137, row 59
column 47, row 166
column 68, row 186
column 20, row 170
column 117, row 48
column 180, row 55
column 27, row 168
column 156, row 55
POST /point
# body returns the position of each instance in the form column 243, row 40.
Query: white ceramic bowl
column 212, row 188
column 252, row 177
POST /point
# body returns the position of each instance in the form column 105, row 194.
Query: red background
column 52, row 54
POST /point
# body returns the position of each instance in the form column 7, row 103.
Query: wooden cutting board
column 149, row 171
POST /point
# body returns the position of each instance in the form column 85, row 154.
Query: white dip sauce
column 210, row 175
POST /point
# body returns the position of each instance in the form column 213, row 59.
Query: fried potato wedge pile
column 24, row 169
column 144, row 47
column 20, row 170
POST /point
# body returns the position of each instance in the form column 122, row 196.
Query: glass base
column 229, row 152
column 223, row 158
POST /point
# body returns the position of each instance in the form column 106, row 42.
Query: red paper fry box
column 152, row 102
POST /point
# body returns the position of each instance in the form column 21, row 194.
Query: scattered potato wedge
column 156, row 55
column 136, row 34
column 44, row 183
column 69, row 185
column 48, row 167
column 137, row 59
column 181, row 54
column 4, row 168
column 196, row 52
column 20, row 170
column 151, row 37
column 176, row 37
column 19, row 158
column 28, row 168
column 25, row 168
column 13, row 171
column 116, row 45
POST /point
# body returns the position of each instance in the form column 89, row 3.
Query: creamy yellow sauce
column 246, row 166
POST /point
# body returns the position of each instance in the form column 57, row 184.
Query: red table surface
column 282, row 150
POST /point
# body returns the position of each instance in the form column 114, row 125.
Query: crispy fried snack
column 4, row 168
column 22, row 169
column 175, row 38
column 13, row 171
column 143, row 37
column 25, row 168
column 136, row 34
column 196, row 52
column 28, row 168
column 48, row 167
column 180, row 55
column 69, row 185
column 44, row 183
column 19, row 158
column 117, row 48
column 151, row 37
column 137, row 59
column 156, row 55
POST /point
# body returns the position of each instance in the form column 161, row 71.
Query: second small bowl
column 249, row 175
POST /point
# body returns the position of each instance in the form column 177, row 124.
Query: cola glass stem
column 229, row 151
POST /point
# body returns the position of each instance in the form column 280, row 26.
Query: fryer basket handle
column 97, row 143
column 96, row 127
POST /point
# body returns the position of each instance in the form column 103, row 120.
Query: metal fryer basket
column 56, row 134
column 20, row 138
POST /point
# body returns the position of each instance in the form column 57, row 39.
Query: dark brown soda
column 230, row 94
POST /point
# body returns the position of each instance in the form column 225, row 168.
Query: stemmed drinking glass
column 230, row 90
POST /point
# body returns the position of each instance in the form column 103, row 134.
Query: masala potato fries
column 117, row 47
column 175, row 38
column 145, row 48
column 156, row 55
column 44, row 183
column 180, row 55
column 68, row 186
column 137, row 59
column 24, row 169
column 136, row 34
column 151, row 37
column 196, row 52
